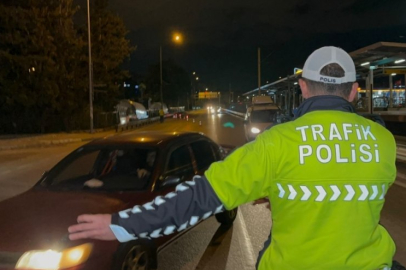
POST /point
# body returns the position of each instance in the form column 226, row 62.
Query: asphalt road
column 208, row 245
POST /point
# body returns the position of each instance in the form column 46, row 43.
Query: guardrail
column 242, row 115
column 138, row 123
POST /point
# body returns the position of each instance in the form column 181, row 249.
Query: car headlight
column 255, row 130
column 54, row 260
column 212, row 110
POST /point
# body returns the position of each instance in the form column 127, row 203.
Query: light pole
column 160, row 75
column 197, row 90
column 90, row 68
column 193, row 91
column 259, row 71
column 176, row 38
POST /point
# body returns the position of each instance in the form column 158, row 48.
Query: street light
column 193, row 89
column 90, row 68
column 176, row 38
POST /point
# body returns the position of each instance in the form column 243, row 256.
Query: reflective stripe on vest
column 319, row 194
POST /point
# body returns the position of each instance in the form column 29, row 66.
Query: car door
column 204, row 154
column 179, row 164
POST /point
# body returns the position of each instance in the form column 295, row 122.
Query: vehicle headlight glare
column 39, row 259
column 255, row 130
column 54, row 260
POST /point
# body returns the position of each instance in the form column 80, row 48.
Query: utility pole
column 90, row 68
column 259, row 71
column 371, row 89
column 160, row 75
column 229, row 93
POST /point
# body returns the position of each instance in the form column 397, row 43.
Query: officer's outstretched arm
column 226, row 184
column 192, row 202
column 245, row 175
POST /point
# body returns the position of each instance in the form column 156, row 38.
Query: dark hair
column 321, row 88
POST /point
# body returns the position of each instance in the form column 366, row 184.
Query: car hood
column 39, row 219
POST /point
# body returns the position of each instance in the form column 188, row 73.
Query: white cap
column 328, row 55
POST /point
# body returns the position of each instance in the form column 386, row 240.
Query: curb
column 42, row 143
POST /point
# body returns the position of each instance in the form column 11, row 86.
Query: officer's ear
column 304, row 88
column 354, row 91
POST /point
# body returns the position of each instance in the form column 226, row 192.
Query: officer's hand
column 142, row 173
column 93, row 183
column 93, row 227
column 262, row 201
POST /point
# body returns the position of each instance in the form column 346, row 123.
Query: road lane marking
column 251, row 260
column 400, row 183
column 24, row 166
column 403, row 185
column 5, row 171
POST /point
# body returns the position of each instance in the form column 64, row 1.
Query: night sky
column 222, row 37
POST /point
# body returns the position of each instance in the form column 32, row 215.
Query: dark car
column 103, row 176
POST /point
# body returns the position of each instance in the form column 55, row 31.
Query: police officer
column 326, row 174
column 161, row 115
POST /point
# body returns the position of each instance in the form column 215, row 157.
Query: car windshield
column 264, row 116
column 103, row 169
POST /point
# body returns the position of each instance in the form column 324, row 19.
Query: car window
column 106, row 169
column 204, row 154
column 264, row 116
column 180, row 163
column 78, row 167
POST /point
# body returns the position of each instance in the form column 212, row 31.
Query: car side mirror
column 170, row 181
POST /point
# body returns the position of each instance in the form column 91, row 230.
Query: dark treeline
column 44, row 64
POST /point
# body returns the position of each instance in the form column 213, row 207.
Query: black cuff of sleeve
column 114, row 219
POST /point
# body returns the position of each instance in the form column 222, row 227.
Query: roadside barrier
column 139, row 123
column 239, row 114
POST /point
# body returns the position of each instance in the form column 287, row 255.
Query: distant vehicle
column 155, row 107
column 261, row 114
column 102, row 176
column 262, row 100
column 213, row 109
column 129, row 110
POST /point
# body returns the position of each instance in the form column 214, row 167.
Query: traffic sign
column 208, row 95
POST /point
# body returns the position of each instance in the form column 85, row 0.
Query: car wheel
column 135, row 257
column 227, row 217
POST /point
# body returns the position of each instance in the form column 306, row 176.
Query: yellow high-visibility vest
column 326, row 175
